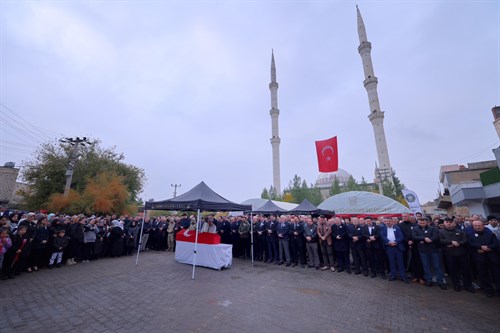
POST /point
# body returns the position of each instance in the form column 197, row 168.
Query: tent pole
column 140, row 237
column 251, row 235
column 196, row 242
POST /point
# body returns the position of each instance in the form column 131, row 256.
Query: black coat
column 341, row 243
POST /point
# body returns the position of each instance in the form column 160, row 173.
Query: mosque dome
column 326, row 179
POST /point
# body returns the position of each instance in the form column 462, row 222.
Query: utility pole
column 75, row 143
column 175, row 186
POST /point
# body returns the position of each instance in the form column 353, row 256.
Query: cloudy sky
column 181, row 88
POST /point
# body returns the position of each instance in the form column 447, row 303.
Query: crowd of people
column 409, row 248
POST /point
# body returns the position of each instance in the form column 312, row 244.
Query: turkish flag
column 328, row 157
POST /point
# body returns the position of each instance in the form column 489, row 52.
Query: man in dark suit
column 394, row 242
column 484, row 246
column 260, row 226
column 374, row 249
column 272, row 240
column 358, row 246
column 297, row 242
column 341, row 245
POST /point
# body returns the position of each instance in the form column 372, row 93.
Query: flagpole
column 140, row 237
column 251, row 235
column 196, row 243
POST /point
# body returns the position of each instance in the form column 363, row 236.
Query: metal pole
column 71, row 167
column 251, row 235
column 196, row 243
column 175, row 186
column 140, row 237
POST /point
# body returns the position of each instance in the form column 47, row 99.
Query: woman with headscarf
column 117, row 238
column 39, row 245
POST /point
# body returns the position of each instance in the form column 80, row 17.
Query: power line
column 15, row 134
column 18, row 144
column 34, row 138
column 27, row 122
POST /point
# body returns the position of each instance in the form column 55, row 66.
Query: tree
column 393, row 191
column 264, row 194
column 45, row 172
column 315, row 196
column 287, row 197
column 298, row 189
column 335, row 189
column 352, row 185
column 273, row 194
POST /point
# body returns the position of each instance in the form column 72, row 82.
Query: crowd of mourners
column 408, row 248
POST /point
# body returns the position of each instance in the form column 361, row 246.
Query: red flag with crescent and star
column 328, row 158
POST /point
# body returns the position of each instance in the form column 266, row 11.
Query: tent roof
column 199, row 197
column 270, row 208
column 306, row 207
column 258, row 202
column 358, row 202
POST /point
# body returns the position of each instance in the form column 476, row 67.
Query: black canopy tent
column 270, row 208
column 199, row 198
column 306, row 207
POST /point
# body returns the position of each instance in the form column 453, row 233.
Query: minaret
column 275, row 139
column 376, row 116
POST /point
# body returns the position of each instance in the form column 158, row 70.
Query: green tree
column 393, row 191
column 352, row 185
column 264, row 194
column 273, row 193
column 335, row 189
column 45, row 172
column 299, row 189
column 314, row 195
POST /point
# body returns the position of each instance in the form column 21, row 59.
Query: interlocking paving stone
column 158, row 295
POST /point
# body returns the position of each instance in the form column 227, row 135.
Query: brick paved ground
column 113, row 295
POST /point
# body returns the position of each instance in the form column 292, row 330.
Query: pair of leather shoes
column 442, row 286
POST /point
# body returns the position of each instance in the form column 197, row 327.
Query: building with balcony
column 471, row 189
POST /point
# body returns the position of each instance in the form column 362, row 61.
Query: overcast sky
column 181, row 88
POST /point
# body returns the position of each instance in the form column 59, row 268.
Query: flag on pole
column 328, row 158
column 412, row 200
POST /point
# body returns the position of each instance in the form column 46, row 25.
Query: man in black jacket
column 427, row 238
column 484, row 246
column 454, row 242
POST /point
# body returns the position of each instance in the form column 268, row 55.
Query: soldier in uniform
column 244, row 232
